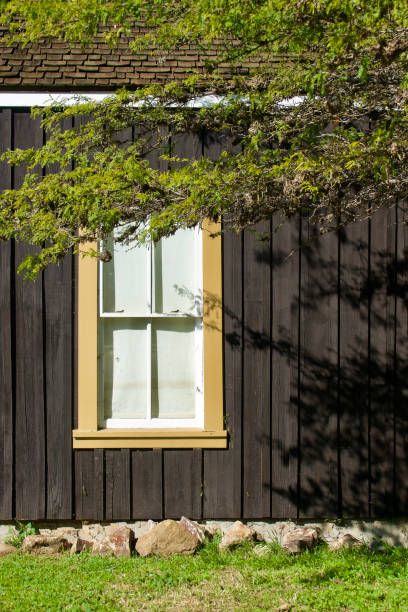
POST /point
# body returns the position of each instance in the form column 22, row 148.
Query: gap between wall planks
column 315, row 370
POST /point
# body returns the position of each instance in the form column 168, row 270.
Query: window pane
column 124, row 368
column 174, row 283
column 173, row 369
column 124, row 279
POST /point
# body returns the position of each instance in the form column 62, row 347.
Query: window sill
column 149, row 438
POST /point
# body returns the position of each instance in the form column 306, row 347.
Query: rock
column 69, row 533
column 237, row 534
column 300, row 539
column 261, row 551
column 6, row 549
column 45, row 544
column 139, row 528
column 121, row 541
column 193, row 528
column 211, row 529
column 168, row 538
column 79, row 545
column 346, row 541
column 92, row 532
column 117, row 541
column 102, row 548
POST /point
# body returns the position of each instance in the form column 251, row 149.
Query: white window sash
column 153, row 422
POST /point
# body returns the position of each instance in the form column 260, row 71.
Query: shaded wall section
column 315, row 380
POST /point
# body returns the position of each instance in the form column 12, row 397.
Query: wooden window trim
column 88, row 435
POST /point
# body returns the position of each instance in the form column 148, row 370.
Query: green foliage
column 338, row 154
column 238, row 580
column 19, row 532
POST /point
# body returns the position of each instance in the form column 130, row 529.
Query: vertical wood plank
column 117, row 484
column 30, row 429
column 382, row 330
column 222, row 468
column 186, row 146
column 6, row 340
column 58, row 387
column 89, row 484
column 256, row 421
column 30, row 410
column 401, row 365
column 147, row 484
column 353, row 370
column 318, row 492
column 59, row 367
column 182, row 483
column 285, row 367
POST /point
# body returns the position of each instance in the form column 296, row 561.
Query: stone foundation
column 391, row 532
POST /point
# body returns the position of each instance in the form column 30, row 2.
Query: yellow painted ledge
column 149, row 438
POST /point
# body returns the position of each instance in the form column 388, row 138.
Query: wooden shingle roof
column 57, row 65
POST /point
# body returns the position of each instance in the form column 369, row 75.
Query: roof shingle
column 58, row 65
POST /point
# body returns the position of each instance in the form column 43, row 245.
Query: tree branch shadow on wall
column 348, row 402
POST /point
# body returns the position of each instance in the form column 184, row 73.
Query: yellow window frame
column 213, row 435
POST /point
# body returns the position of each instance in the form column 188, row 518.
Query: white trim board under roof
column 26, row 99
column 18, row 99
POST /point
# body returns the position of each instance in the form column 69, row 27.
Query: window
column 150, row 346
column 151, row 298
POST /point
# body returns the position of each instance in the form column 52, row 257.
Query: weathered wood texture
column 285, row 368
column 315, row 380
column 256, row 433
column 58, row 300
column 353, row 370
column 318, row 386
column 7, row 311
column 30, row 423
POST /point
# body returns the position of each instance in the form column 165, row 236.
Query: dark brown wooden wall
column 315, row 370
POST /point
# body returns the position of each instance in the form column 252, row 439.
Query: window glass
column 125, row 279
column 174, row 368
column 174, row 273
column 124, row 368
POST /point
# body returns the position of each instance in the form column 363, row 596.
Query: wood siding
column 315, row 371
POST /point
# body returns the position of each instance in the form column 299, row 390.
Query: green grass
column 239, row 580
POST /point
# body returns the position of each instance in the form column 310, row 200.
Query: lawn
column 239, row 580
